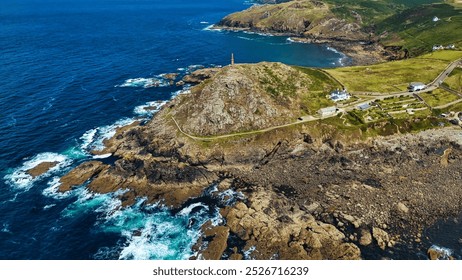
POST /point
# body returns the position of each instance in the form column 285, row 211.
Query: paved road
column 304, row 119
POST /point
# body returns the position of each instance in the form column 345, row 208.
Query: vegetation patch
column 438, row 97
column 454, row 81
column 391, row 76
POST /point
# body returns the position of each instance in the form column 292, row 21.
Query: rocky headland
column 312, row 191
column 313, row 21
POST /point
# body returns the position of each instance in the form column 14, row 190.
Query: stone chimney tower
column 232, row 58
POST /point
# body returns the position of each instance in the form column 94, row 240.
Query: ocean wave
column 145, row 82
column 149, row 108
column 86, row 202
column 46, row 207
column 190, row 209
column 94, row 139
column 212, row 28
column 258, row 33
column 53, row 189
column 333, row 50
column 19, row 178
column 186, row 90
column 230, row 197
column 153, row 232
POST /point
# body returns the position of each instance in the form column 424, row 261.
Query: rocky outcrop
column 81, row 174
column 200, row 75
column 272, row 228
column 246, row 97
column 41, row 168
column 313, row 190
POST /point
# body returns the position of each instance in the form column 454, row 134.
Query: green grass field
column 438, row 97
column 393, row 76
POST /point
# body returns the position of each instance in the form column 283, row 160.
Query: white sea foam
column 20, row 179
column 334, row 50
column 248, row 253
column 230, row 196
column 186, row 90
column 93, row 139
column 158, row 81
column 87, row 201
column 87, row 138
column 204, row 22
column 445, row 253
column 53, row 189
column 48, row 206
column 187, row 211
column 212, row 28
column 258, row 33
column 149, row 108
column 245, row 38
column 194, row 67
column 102, row 156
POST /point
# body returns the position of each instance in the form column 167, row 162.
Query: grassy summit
column 247, row 97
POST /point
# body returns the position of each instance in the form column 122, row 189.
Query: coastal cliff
column 314, row 22
column 367, row 32
column 311, row 191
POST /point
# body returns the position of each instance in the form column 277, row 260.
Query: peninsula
column 322, row 177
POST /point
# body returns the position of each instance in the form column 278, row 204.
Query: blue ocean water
column 73, row 70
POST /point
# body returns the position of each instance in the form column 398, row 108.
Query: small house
column 416, row 86
column 339, row 95
column 435, row 19
column 437, row 47
column 328, row 111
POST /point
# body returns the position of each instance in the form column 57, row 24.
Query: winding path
column 305, row 119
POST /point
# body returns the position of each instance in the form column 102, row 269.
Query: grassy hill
column 246, row 97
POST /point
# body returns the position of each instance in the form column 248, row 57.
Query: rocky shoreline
column 310, row 192
column 359, row 52
column 306, row 196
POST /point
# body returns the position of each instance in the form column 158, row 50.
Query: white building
column 416, row 86
column 339, row 95
column 328, row 111
column 435, row 19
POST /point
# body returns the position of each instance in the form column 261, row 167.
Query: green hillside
column 415, row 30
